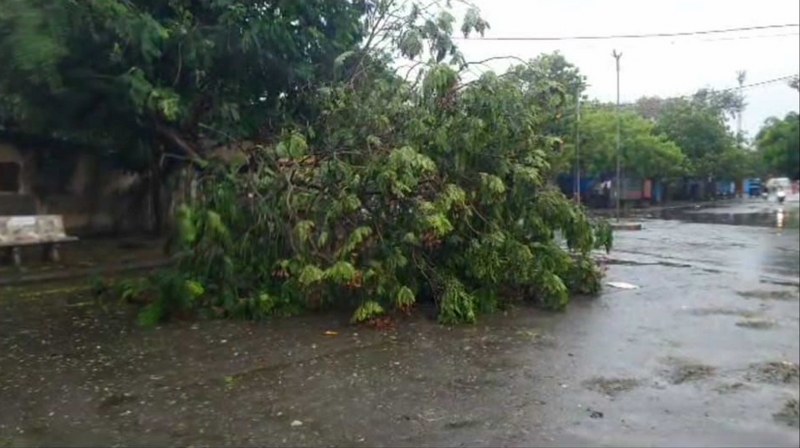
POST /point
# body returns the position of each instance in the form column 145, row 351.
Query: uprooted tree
column 363, row 186
column 399, row 190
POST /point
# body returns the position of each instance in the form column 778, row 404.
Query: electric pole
column 740, row 77
column 577, row 144
column 618, row 180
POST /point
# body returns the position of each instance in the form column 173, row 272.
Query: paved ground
column 704, row 353
column 85, row 258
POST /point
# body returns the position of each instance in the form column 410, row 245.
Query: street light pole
column 577, row 144
column 618, row 180
column 740, row 77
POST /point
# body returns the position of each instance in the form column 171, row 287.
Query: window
column 9, row 177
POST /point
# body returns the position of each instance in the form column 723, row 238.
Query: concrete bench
column 17, row 232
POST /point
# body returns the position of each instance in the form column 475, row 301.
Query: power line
column 634, row 36
column 692, row 95
column 759, row 36
column 755, row 84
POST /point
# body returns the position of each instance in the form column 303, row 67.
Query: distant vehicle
column 752, row 187
column 778, row 183
column 780, row 195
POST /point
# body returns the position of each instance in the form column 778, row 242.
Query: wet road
column 704, row 353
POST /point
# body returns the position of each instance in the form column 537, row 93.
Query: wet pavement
column 703, row 353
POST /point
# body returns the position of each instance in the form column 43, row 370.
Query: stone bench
column 17, row 232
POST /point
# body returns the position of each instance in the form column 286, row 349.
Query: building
column 39, row 177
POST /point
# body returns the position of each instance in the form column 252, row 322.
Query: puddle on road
column 790, row 219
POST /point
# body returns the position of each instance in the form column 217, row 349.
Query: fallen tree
column 394, row 194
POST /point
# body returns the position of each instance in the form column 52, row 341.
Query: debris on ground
column 776, row 372
column 756, row 324
column 460, row 424
column 611, row 386
column 622, row 285
column 593, row 413
column 382, row 323
column 782, row 294
column 720, row 311
column 685, row 371
column 790, row 414
column 731, row 388
column 296, row 423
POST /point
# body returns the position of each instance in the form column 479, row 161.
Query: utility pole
column 577, row 144
column 741, row 75
column 618, row 180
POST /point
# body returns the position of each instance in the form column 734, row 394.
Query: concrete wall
column 10, row 154
column 92, row 200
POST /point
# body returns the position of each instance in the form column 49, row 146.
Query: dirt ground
column 668, row 364
column 86, row 257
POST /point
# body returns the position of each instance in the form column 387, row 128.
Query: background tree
column 698, row 127
column 645, row 153
column 778, row 143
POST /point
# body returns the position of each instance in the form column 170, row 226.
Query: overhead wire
column 671, row 34
column 692, row 95
column 631, row 36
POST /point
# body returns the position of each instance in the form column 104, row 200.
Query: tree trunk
column 155, row 194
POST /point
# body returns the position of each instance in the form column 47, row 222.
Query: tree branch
column 175, row 139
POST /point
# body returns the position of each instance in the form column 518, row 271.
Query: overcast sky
column 659, row 66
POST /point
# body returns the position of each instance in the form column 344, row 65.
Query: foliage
column 385, row 201
column 139, row 76
column 778, row 144
column 363, row 187
column 555, row 86
column 645, row 153
column 698, row 127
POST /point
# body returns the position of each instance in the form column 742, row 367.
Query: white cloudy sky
column 662, row 66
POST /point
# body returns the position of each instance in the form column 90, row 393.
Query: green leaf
column 297, row 146
column 194, row 288
column 310, row 275
column 356, row 238
column 367, row 311
column 342, row 272
column 304, row 229
column 405, row 297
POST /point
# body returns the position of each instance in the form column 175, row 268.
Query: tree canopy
column 698, row 127
column 778, row 143
column 645, row 153
column 165, row 74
